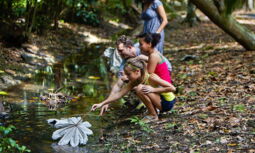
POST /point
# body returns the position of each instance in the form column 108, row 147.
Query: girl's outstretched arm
column 114, row 97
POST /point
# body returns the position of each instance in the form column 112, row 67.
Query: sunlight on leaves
column 51, row 89
column 94, row 77
column 3, row 93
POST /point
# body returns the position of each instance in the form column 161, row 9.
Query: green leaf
column 239, row 108
column 12, row 142
column 170, row 125
column 3, row 93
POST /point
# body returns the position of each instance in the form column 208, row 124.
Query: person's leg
column 151, row 100
column 146, row 100
column 156, row 100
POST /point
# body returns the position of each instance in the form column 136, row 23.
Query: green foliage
column 144, row 126
column 86, row 13
column 116, row 6
column 88, row 17
column 170, row 125
column 192, row 94
column 19, row 7
column 102, row 67
column 90, row 90
column 239, row 108
column 8, row 144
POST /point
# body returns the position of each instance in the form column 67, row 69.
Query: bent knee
column 138, row 89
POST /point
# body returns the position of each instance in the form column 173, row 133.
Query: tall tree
column 219, row 12
column 191, row 16
column 249, row 5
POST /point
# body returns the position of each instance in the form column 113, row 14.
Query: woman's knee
column 138, row 89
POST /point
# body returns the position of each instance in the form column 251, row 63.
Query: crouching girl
column 154, row 92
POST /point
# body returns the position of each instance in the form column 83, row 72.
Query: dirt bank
column 19, row 64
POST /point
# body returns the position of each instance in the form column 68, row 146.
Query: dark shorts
column 167, row 105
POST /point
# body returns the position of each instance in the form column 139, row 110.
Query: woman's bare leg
column 151, row 101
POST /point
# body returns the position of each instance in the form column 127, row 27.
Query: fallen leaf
column 94, row 77
column 232, row 144
column 3, row 93
column 234, row 121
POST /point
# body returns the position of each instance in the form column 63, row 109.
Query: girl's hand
column 104, row 109
column 95, row 106
column 147, row 89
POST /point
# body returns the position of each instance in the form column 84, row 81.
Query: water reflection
column 82, row 76
column 69, row 149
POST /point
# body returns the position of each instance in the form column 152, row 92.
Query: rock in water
column 73, row 130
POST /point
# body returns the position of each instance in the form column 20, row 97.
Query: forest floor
column 215, row 111
column 214, row 75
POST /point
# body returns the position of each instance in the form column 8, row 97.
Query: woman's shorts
column 167, row 105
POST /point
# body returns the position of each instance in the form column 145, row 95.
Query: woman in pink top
column 156, row 62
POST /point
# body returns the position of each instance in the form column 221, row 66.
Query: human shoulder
column 156, row 4
column 154, row 56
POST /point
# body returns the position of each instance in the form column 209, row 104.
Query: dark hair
column 148, row 1
column 152, row 38
column 125, row 40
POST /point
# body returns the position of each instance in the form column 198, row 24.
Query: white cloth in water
column 114, row 59
column 73, row 130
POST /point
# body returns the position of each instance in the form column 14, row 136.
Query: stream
column 82, row 76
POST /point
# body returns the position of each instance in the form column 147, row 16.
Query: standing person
column 154, row 92
column 155, row 20
column 156, row 63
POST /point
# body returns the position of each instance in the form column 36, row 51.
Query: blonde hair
column 137, row 64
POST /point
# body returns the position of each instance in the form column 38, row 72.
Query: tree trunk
column 56, row 13
column 9, row 8
column 33, row 17
column 191, row 17
column 249, row 5
column 226, row 22
column 73, row 10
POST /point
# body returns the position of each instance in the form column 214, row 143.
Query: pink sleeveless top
column 162, row 70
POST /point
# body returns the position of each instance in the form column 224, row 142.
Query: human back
column 157, row 63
